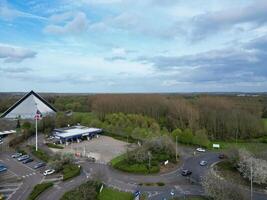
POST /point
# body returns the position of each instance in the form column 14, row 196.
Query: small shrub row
column 55, row 146
column 38, row 189
column 70, row 171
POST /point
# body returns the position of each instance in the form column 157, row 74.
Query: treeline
column 222, row 117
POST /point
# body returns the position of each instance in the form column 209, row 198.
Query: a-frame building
column 27, row 107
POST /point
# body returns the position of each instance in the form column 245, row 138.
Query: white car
column 201, row 150
column 203, row 163
column 48, row 172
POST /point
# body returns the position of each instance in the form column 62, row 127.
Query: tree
column 219, row 189
column 200, row 138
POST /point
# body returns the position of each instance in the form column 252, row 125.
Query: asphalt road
column 179, row 185
column 28, row 176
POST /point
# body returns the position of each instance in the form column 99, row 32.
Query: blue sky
column 133, row 45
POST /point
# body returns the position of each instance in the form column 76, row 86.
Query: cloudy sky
column 133, row 45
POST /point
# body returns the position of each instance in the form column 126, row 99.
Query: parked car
column 186, row 172
column 27, row 160
column 91, row 159
column 16, row 155
column 48, row 172
column 203, row 163
column 2, row 168
column 201, row 150
column 24, row 157
column 39, row 165
column 221, row 156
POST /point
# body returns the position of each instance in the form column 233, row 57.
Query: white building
column 27, row 107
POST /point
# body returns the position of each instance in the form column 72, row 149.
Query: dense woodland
column 225, row 117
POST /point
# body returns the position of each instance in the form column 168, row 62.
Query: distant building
column 76, row 133
column 27, row 107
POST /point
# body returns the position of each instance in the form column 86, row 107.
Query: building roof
column 75, row 131
column 27, row 107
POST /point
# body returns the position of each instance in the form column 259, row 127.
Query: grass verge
column 71, row 171
column 39, row 154
column 55, row 146
column 112, row 194
column 38, row 189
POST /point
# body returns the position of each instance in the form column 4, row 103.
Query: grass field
column 265, row 124
column 111, row 194
column 192, row 198
column 254, row 147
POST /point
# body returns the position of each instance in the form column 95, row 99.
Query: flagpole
column 36, row 139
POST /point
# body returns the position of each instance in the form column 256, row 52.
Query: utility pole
column 176, row 148
column 251, row 182
column 149, row 160
column 36, row 139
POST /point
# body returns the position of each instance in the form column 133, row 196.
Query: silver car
column 203, row 163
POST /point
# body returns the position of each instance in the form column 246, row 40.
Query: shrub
column 86, row 191
column 71, row 171
column 259, row 167
column 39, row 154
column 38, row 189
column 160, row 184
column 51, row 145
column 219, row 189
column 200, row 138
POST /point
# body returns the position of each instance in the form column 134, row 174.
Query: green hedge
column 55, row 146
column 38, row 189
column 70, row 171
column 136, row 168
column 39, row 154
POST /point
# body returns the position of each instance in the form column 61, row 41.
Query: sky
column 125, row 46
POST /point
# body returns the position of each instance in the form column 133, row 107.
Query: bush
column 219, row 189
column 160, row 184
column 38, row 189
column 259, row 167
column 86, row 191
column 51, row 145
column 71, row 171
column 39, row 154
column 200, row 138
column 186, row 137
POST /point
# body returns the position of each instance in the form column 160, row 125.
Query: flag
column 38, row 115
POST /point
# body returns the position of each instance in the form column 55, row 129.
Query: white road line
column 25, row 166
column 12, row 172
column 14, row 191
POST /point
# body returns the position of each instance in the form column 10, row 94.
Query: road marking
column 12, row 172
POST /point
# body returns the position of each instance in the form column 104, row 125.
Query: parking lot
column 103, row 148
column 18, row 180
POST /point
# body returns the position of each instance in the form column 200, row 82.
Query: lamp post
column 251, row 181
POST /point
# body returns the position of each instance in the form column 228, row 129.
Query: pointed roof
column 27, row 107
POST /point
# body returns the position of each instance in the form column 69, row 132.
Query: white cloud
column 11, row 13
column 77, row 24
column 15, row 54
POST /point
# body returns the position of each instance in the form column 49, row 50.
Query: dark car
column 24, row 157
column 39, row 165
column 27, row 160
column 91, row 159
column 186, row 172
column 2, row 168
column 222, row 156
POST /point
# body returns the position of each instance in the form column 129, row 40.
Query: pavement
column 26, row 177
column 174, row 182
